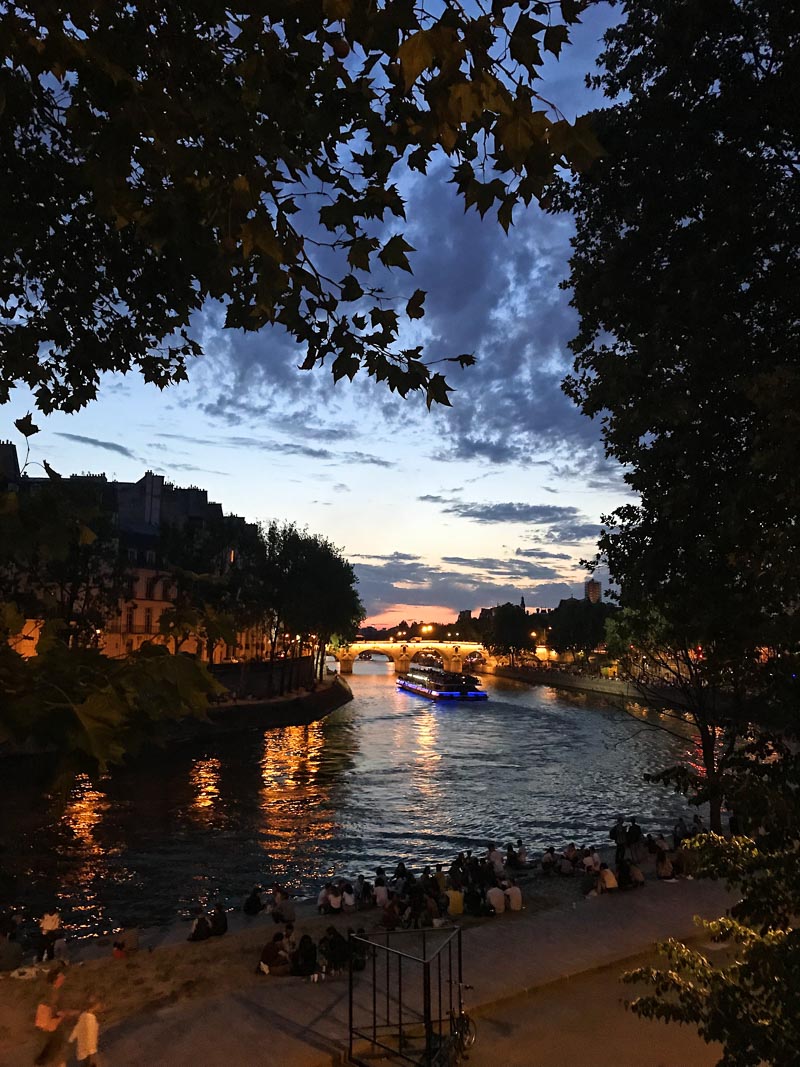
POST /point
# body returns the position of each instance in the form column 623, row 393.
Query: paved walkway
column 290, row 1023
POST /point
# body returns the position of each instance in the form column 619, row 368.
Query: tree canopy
column 158, row 155
column 685, row 274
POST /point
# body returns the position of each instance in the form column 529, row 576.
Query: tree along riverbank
column 237, row 716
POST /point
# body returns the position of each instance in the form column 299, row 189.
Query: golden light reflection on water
column 83, row 816
column 296, row 806
column 84, row 812
column 204, row 777
column 426, row 752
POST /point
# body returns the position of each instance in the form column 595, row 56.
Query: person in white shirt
column 513, row 896
column 50, row 926
column 86, row 1034
column 495, row 857
column 497, row 898
column 381, row 893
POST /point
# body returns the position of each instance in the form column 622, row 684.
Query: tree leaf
column 26, row 426
column 554, row 38
column 393, row 253
column 414, row 308
column 416, row 54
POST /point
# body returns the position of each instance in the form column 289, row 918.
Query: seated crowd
column 632, row 849
column 470, row 886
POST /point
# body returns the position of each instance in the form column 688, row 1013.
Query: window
column 130, row 620
column 150, row 593
column 150, row 555
column 132, row 555
column 166, row 590
column 148, row 620
column 131, row 590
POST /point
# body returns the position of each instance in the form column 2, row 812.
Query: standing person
column 50, row 928
column 679, row 832
column 634, row 840
column 86, row 1034
column 619, row 835
column 50, row 1020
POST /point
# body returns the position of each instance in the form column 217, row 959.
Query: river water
column 391, row 776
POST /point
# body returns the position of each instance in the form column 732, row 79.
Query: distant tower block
column 592, row 591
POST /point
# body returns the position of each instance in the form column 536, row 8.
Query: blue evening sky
column 496, row 498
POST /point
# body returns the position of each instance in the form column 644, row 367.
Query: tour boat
column 441, row 685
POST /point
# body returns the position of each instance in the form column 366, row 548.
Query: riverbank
column 295, row 709
column 557, row 678
column 203, row 1004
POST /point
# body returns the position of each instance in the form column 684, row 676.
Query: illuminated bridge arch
column 452, row 654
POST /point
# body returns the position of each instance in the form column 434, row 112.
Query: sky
column 496, row 498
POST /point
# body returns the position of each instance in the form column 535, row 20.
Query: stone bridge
column 403, row 654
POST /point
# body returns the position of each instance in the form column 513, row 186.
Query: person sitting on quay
column 549, row 861
column 334, row 951
column 606, row 880
column 511, row 862
column 381, row 892
column 440, row 878
column 455, row 900
column 304, row 958
column 522, row 853
column 591, row 860
column 348, row 898
column 274, row 958
column 362, row 891
column 125, row 943
column 334, row 906
column 697, row 825
column 629, row 876
column 289, row 940
column 282, row 908
column 253, row 905
column 391, row 916
column 496, row 899
column 664, row 871
column 513, row 895
column 218, row 921
column 201, row 927
column 322, row 899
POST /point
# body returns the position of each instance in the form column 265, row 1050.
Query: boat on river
column 436, row 684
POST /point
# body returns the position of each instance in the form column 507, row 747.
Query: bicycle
column 463, row 1031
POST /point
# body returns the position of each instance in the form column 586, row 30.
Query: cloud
column 541, row 553
column 95, row 442
column 460, row 582
column 190, row 468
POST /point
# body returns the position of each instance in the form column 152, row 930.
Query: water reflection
column 295, row 807
column 388, row 777
column 84, row 812
column 204, row 777
column 80, row 891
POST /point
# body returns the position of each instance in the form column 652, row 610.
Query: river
column 390, row 776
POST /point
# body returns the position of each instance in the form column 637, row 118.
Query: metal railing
column 405, row 1000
